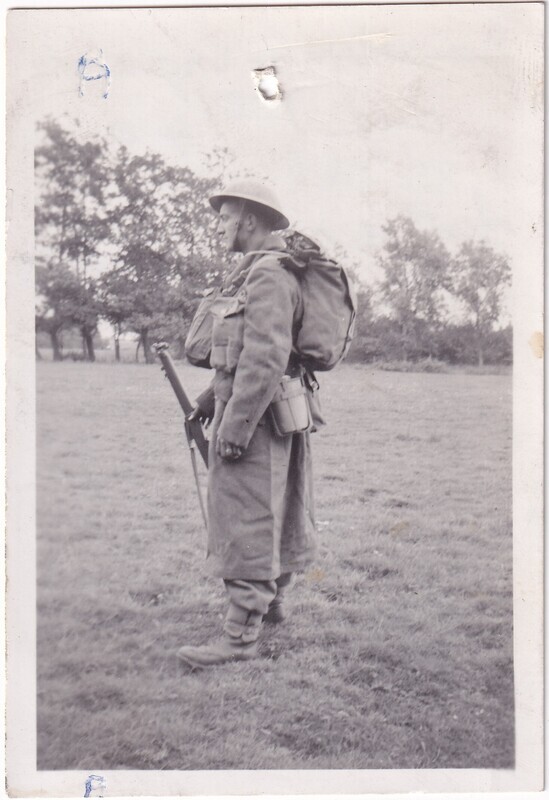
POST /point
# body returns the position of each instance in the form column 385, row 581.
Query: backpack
column 329, row 309
column 329, row 312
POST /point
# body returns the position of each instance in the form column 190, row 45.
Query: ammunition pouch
column 198, row 344
column 201, row 348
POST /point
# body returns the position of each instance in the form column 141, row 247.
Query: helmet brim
column 280, row 222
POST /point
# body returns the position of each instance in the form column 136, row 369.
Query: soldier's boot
column 225, row 649
column 239, row 642
column 276, row 612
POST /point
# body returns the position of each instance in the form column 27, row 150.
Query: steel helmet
column 257, row 193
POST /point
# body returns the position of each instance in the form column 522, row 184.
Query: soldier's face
column 228, row 226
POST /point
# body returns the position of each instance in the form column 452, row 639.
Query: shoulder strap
column 278, row 253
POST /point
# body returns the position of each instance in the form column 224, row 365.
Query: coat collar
column 236, row 278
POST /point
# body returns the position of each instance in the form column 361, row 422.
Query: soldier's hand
column 227, row 450
column 199, row 414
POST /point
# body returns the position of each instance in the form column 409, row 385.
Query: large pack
column 329, row 303
column 329, row 308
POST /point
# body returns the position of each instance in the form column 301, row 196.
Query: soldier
column 260, row 503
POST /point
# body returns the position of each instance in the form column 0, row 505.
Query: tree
column 57, row 297
column 363, row 344
column 71, row 214
column 85, row 315
column 480, row 277
column 162, row 244
column 115, row 303
column 416, row 265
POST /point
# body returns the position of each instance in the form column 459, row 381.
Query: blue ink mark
column 95, row 782
column 91, row 67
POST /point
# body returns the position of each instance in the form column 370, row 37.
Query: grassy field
column 398, row 650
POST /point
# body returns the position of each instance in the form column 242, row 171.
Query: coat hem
column 217, row 571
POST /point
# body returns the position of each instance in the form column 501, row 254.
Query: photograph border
column 527, row 315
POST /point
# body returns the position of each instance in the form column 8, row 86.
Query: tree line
column 125, row 238
column 434, row 305
column 119, row 237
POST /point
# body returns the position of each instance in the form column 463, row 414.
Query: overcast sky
column 430, row 111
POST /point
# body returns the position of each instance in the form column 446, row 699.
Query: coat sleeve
column 206, row 401
column 271, row 303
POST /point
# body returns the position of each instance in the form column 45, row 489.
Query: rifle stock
column 193, row 428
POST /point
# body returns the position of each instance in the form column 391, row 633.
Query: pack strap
column 237, row 278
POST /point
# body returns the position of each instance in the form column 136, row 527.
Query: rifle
column 193, row 428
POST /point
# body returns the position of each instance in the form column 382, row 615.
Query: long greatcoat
column 260, row 507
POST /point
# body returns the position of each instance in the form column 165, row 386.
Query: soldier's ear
column 251, row 221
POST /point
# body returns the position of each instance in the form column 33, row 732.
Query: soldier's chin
column 232, row 246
